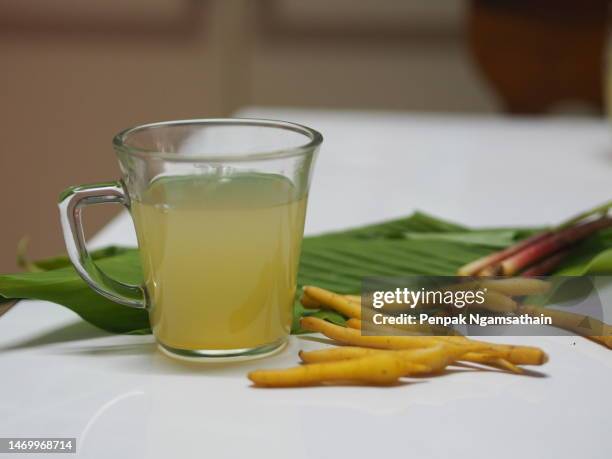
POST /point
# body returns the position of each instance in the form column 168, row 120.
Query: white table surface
column 122, row 399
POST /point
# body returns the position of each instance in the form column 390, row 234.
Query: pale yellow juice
column 220, row 258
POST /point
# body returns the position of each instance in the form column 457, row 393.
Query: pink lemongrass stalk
column 545, row 266
column 551, row 244
column 486, row 266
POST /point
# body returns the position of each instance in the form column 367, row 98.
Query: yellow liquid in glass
column 220, row 259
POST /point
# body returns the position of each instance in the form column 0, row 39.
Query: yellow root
column 309, row 302
column 518, row 355
column 330, row 300
column 497, row 302
column 576, row 323
column 402, row 329
column 383, row 360
column 360, row 365
column 491, row 360
column 513, row 286
column 391, row 330
column 354, row 337
column 516, row 286
column 436, row 358
column 351, row 352
column 354, row 298
column 379, row 369
column 333, row 354
column 604, row 340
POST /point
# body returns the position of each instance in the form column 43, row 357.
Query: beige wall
column 74, row 73
column 72, row 80
column 379, row 54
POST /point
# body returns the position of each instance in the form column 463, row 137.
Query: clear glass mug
column 218, row 206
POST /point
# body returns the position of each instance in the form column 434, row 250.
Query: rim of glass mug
column 314, row 140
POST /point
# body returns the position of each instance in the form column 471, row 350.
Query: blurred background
column 74, row 73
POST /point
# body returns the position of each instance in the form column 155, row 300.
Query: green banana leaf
column 418, row 244
column 496, row 239
column 62, row 285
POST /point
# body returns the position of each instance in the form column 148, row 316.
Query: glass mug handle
column 71, row 203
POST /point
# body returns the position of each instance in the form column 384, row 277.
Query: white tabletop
column 122, row 399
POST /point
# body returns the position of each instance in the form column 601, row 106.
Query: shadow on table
column 75, row 331
column 150, row 361
column 114, row 350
